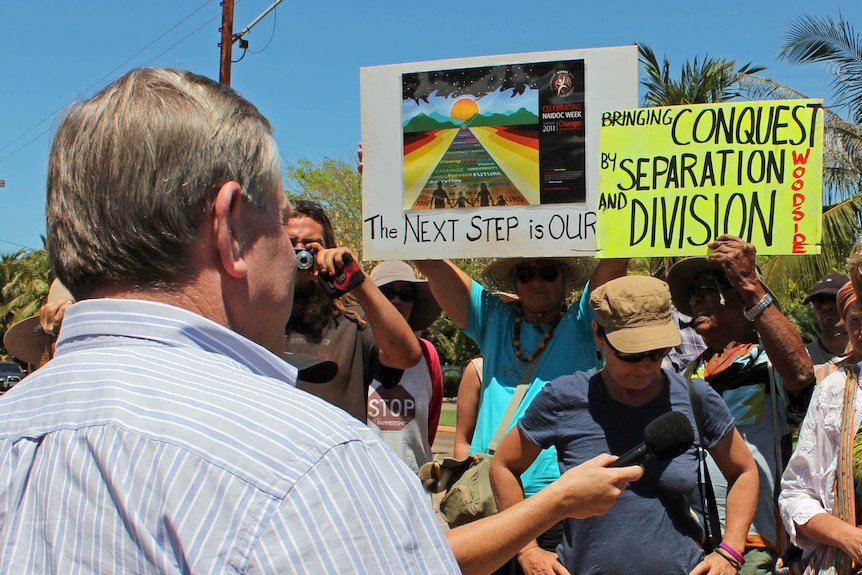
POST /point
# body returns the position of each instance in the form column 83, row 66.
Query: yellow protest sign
column 674, row 178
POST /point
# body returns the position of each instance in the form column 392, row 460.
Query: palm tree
column 822, row 40
column 24, row 283
column 700, row 82
column 706, row 81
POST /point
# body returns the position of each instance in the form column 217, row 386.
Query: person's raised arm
column 398, row 345
column 608, row 270
column 781, row 340
column 450, row 287
column 587, row 490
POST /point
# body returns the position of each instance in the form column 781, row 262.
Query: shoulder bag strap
column 517, row 396
column 712, row 524
column 845, row 504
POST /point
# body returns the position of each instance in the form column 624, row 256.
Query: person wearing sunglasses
column 606, row 411
column 754, row 359
column 406, row 415
column 541, row 332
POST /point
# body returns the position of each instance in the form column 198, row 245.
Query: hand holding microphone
column 665, row 437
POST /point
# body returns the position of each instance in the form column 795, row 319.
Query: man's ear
column 228, row 229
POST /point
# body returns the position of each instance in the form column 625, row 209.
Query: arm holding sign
column 781, row 340
column 450, row 286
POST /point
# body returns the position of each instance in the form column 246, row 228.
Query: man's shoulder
column 250, row 425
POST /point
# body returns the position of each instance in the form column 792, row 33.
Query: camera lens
column 304, row 259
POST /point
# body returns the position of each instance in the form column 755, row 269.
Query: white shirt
column 808, row 483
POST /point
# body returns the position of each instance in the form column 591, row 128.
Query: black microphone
column 665, row 437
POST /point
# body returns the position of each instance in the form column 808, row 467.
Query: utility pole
column 226, row 41
column 228, row 37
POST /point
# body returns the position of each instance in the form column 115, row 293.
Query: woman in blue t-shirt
column 650, row 528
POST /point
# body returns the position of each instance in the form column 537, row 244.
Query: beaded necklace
column 543, row 342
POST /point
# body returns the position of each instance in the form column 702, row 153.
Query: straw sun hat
column 499, row 273
column 22, row 340
column 682, row 274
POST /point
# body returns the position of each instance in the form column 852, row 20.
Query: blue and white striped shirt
column 158, row 441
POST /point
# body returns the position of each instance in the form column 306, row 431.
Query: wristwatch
column 752, row 312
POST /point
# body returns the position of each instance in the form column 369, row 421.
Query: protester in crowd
column 690, row 345
column 823, row 471
column 849, row 312
column 540, row 328
column 832, row 343
column 753, row 355
column 405, row 416
column 469, row 389
column 368, row 340
column 168, row 384
column 593, row 412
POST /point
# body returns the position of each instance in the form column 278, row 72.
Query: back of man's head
column 134, row 170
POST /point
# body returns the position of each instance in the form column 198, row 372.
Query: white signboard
column 494, row 156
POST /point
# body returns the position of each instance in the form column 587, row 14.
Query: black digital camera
column 350, row 276
column 304, row 258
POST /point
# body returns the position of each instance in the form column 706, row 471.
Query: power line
column 17, row 245
column 103, row 78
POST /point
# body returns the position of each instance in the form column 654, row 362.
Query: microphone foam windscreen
column 669, row 435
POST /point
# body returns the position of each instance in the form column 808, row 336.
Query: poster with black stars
column 487, row 157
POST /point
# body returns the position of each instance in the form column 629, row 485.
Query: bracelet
column 728, row 558
column 733, row 553
column 752, row 312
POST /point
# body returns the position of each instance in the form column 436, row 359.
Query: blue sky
column 302, row 66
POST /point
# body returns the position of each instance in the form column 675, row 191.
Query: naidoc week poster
column 671, row 179
column 487, row 157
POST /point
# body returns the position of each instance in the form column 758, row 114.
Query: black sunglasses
column 548, row 273
column 654, row 355
column 405, row 294
column 708, row 286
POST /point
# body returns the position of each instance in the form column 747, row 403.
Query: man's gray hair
column 133, row 173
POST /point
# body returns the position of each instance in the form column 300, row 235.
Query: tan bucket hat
column 635, row 313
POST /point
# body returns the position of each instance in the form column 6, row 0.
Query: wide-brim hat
column 425, row 307
column 635, row 314
column 311, row 369
column 22, row 340
column 499, row 274
column 682, row 274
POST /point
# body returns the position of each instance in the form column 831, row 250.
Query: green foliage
column 823, row 40
column 335, row 185
column 713, row 80
column 700, row 82
column 25, row 278
column 811, row 39
column 448, row 416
